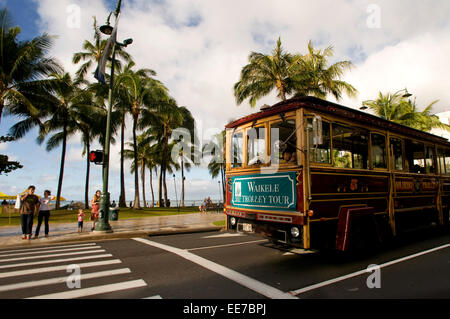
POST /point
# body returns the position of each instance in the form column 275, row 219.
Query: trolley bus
column 314, row 174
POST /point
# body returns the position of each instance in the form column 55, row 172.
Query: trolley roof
column 323, row 106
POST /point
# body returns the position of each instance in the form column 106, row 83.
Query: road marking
column 57, row 268
column 78, row 293
column 49, row 251
column 54, row 255
column 241, row 279
column 364, row 271
column 224, row 235
column 228, row 245
column 297, row 251
column 55, row 261
column 154, row 297
column 63, row 279
column 43, row 248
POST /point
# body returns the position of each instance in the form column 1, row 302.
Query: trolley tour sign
column 266, row 192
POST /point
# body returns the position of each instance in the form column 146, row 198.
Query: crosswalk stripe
column 50, row 251
column 57, row 268
column 54, row 261
column 43, row 248
column 53, row 255
column 63, row 279
column 241, row 279
column 78, row 293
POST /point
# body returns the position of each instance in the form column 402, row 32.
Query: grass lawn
column 220, row 223
column 70, row 216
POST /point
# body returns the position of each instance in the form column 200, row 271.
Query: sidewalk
column 127, row 228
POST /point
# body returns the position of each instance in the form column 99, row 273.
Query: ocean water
column 173, row 203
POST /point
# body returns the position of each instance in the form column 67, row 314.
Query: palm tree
column 397, row 108
column 187, row 160
column 315, row 77
column 292, row 74
column 93, row 52
column 62, row 111
column 217, row 165
column 265, row 73
column 91, row 56
column 139, row 92
column 24, row 68
column 91, row 122
column 165, row 116
column 142, row 155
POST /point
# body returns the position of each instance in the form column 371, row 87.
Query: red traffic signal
column 96, row 157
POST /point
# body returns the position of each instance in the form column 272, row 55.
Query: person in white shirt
column 44, row 214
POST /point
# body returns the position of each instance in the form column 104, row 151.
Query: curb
column 119, row 235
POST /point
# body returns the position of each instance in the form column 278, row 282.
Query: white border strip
column 42, row 248
column 241, row 279
column 54, row 255
column 55, row 261
column 79, row 293
column 361, row 272
column 57, row 268
column 53, row 281
column 50, row 251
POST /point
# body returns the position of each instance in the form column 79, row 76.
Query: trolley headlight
column 233, row 221
column 295, row 232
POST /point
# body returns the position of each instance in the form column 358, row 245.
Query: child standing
column 80, row 220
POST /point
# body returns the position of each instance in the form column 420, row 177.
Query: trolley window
column 320, row 151
column 447, row 161
column 237, row 149
column 397, row 153
column 415, row 157
column 283, row 142
column 256, row 146
column 379, row 157
column 430, row 167
column 350, row 147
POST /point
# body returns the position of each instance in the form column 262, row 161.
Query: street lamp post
column 103, row 221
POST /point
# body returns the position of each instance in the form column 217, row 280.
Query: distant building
column 444, row 117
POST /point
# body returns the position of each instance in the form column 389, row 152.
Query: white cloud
column 416, row 64
column 198, row 48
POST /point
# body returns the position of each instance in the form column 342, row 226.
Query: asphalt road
column 224, row 266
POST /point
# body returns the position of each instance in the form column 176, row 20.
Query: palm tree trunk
column 165, row 188
column 164, row 164
column 122, row 200
column 182, row 180
column 151, row 186
column 61, row 170
column 143, row 182
column 1, row 111
column 137, row 204
column 224, row 189
column 160, row 187
column 88, row 169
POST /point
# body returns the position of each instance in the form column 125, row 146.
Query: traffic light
column 96, row 157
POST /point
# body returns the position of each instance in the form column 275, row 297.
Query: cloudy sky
column 198, row 48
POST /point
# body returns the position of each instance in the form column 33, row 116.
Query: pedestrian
column 81, row 214
column 113, row 205
column 168, row 202
column 30, row 206
column 44, row 213
column 131, row 204
column 95, row 202
column 203, row 207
